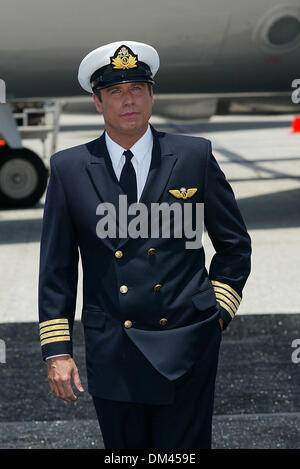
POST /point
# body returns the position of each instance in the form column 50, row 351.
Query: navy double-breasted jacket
column 150, row 307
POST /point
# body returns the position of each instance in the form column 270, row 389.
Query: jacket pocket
column 204, row 300
column 93, row 318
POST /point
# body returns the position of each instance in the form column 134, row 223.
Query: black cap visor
column 107, row 76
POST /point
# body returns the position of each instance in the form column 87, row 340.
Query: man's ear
column 98, row 103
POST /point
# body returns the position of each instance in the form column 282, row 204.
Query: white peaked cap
column 101, row 57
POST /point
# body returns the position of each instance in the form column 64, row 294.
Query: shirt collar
column 139, row 149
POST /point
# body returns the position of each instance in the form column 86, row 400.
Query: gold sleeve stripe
column 53, row 321
column 55, row 327
column 225, row 306
column 228, row 302
column 54, row 333
column 228, row 288
column 228, row 295
column 54, row 339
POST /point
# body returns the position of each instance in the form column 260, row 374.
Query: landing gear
column 23, row 178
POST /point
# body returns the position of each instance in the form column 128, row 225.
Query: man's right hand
column 61, row 372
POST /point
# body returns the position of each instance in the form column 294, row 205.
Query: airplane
column 211, row 51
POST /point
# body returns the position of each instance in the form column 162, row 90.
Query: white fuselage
column 204, row 45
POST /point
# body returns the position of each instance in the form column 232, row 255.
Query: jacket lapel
column 162, row 163
column 106, row 183
column 102, row 173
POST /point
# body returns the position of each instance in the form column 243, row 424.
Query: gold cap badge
column 124, row 59
column 183, row 193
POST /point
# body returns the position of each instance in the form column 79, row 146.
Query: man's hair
column 98, row 92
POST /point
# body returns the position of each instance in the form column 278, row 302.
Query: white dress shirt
column 141, row 160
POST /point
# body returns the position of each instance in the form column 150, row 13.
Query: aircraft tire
column 23, row 178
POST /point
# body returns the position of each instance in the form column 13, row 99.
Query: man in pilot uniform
column 152, row 314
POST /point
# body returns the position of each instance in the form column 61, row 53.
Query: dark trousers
column 185, row 424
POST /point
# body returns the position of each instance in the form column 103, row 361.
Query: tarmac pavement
column 257, row 401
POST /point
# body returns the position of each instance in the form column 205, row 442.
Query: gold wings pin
column 183, row 193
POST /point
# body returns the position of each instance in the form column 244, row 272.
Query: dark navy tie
column 128, row 178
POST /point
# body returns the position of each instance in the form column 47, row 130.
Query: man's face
column 126, row 107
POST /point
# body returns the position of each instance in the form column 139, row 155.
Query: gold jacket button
column 118, row 254
column 163, row 321
column 127, row 324
column 124, row 289
column 157, row 287
column 151, row 251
